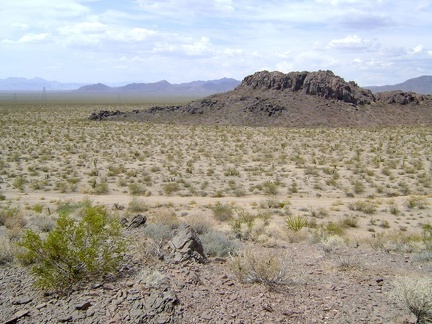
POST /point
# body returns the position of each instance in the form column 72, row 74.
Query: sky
column 372, row 42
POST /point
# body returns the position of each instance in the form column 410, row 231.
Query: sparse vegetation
column 262, row 187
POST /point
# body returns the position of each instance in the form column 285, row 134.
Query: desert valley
column 293, row 198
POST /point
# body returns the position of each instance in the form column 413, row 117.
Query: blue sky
column 373, row 42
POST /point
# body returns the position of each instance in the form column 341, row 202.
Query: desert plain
column 340, row 215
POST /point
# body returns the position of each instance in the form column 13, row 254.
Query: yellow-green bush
column 74, row 250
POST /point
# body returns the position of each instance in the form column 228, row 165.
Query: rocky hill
column 296, row 99
column 422, row 84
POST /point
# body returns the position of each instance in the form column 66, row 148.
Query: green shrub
column 74, row 250
column 427, row 236
column 366, row 206
column 69, row 207
column 295, row 223
column 222, row 212
column 170, row 188
column 335, row 228
column 137, row 189
column 417, row 202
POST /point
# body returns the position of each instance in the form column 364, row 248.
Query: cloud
column 186, row 7
column 363, row 21
column 351, row 43
column 35, row 38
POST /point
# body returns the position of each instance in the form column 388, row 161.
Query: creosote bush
column 222, row 212
column 74, row 250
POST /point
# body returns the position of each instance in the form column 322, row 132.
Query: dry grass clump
column 219, row 244
column 200, row 223
column 165, row 216
column 6, row 251
column 260, row 266
column 415, row 294
column 366, row 206
column 397, row 242
column 137, row 205
column 12, row 218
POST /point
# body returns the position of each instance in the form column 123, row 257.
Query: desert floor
column 363, row 196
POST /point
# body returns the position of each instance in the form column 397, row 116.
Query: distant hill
column 35, row 84
column 296, row 99
column 194, row 88
column 422, row 85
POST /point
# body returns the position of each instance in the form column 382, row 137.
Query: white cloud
column 186, row 7
column 34, row 38
column 351, row 42
column 203, row 45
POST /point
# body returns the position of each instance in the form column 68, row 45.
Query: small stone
column 90, row 312
column 83, row 306
column 22, row 301
column 96, row 285
column 41, row 305
column 65, row 319
column 17, row 316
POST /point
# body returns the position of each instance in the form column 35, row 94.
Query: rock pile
column 103, row 114
column 321, row 83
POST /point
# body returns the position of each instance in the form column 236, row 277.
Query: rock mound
column 321, row 83
column 295, row 99
column 400, row 97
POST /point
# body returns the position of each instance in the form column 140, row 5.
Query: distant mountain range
column 422, row 85
column 35, row 84
column 194, row 88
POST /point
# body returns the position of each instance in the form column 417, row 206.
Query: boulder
column 186, row 245
column 137, row 221
column 400, row 97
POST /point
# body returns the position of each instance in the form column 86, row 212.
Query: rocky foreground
column 182, row 285
column 296, row 99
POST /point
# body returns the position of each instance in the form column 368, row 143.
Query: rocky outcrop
column 295, row 99
column 400, row 97
column 104, row 114
column 321, row 83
